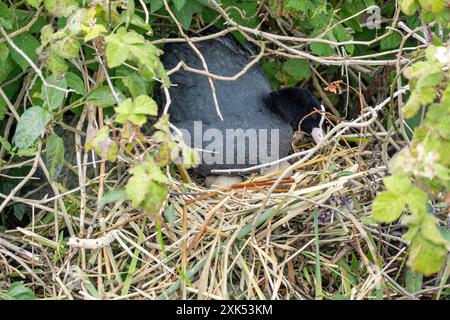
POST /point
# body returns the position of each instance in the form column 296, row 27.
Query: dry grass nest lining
column 232, row 243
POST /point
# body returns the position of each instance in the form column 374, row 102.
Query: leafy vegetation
column 90, row 68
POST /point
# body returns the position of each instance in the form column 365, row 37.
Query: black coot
column 258, row 123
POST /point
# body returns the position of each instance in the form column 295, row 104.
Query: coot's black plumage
column 246, row 103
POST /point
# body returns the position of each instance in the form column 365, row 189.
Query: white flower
column 443, row 55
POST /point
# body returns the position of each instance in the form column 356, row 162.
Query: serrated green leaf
column 388, row 206
column 54, row 155
column 398, row 184
column 425, row 256
column 136, row 111
column 416, row 200
column 31, row 125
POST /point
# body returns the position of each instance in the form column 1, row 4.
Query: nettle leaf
column 54, row 97
column 30, row 126
column 426, row 256
column 297, row 68
column 54, row 155
column 136, row 110
column 101, row 143
column 28, row 44
column 388, row 206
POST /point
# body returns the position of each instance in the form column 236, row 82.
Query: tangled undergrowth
column 92, row 206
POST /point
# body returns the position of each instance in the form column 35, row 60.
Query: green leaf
column 31, row 125
column 298, row 68
column 417, row 200
column 74, row 82
column 136, row 84
column 34, row 3
column 95, row 32
column 52, row 96
column 17, row 291
column 391, row 41
column 185, row 15
column 146, row 188
column 119, row 46
column 102, row 144
column 61, row 8
column 425, row 256
column 68, row 47
column 413, row 281
column 114, row 196
column 135, row 111
column 388, row 206
column 28, row 44
column 56, row 65
column 6, row 16
column 169, row 213
column 409, row 6
column 54, row 155
column 179, row 4
column 433, row 6
column 431, row 232
column 398, row 184
column 321, row 49
column 19, row 211
column 102, row 97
